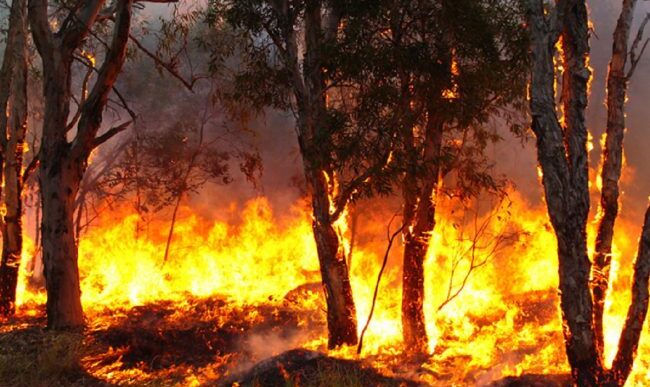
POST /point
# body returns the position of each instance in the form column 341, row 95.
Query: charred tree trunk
column 59, row 182
column 575, row 266
column 612, row 164
column 562, row 155
column 419, row 217
column 13, row 132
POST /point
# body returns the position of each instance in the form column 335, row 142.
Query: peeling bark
column 562, row 155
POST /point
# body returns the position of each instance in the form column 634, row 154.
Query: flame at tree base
column 263, row 272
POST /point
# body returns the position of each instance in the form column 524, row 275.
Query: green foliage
column 389, row 67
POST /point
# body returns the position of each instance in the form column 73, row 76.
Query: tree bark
column 59, row 180
column 565, row 173
column 13, row 132
column 341, row 312
column 312, row 107
column 419, row 218
column 612, row 163
column 63, row 163
column 637, row 311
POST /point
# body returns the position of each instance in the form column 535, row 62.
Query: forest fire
column 497, row 326
column 322, row 193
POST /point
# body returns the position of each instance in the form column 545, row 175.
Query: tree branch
column 92, row 109
column 31, row 167
column 112, row 132
column 167, row 66
column 391, row 239
column 77, row 25
column 636, row 314
column 634, row 58
column 40, row 27
column 343, row 198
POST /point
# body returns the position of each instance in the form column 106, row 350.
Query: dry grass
column 31, row 357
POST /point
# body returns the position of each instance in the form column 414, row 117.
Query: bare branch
column 638, row 309
column 31, row 167
column 634, row 57
column 391, row 239
column 170, row 67
column 77, row 25
column 111, row 133
column 344, row 197
column 84, row 92
column 92, row 108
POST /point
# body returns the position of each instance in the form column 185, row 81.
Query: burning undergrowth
column 206, row 341
column 235, row 294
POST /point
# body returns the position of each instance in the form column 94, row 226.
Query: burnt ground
column 203, row 342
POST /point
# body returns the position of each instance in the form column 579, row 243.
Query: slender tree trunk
column 419, row 216
column 612, row 164
column 575, row 266
column 13, row 142
column 636, row 314
column 59, row 180
column 170, row 234
column 341, row 312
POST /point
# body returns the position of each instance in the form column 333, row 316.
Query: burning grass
column 234, row 294
column 160, row 344
column 206, row 341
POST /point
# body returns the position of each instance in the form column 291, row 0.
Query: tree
column 562, row 155
column 285, row 64
column 617, row 79
column 443, row 70
column 13, row 126
column 159, row 168
column 63, row 162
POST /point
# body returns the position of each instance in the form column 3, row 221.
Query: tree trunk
column 312, row 101
column 562, row 156
column 612, row 164
column 575, row 266
column 59, row 180
column 63, row 163
column 419, row 217
column 15, row 128
column 341, row 312
column 637, row 311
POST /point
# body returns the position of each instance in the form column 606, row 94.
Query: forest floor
column 198, row 342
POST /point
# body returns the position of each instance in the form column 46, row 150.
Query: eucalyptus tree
column 563, row 158
column 449, row 74
column 69, row 139
column 287, row 64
